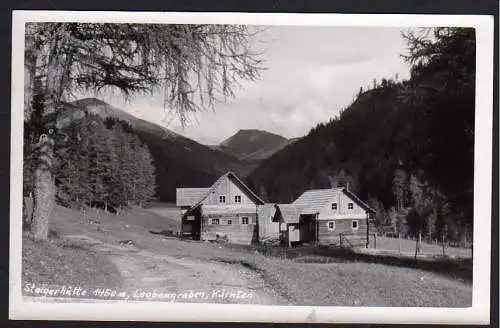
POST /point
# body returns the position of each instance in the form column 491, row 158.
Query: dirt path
column 146, row 272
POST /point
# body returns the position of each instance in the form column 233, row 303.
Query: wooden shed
column 268, row 228
column 288, row 217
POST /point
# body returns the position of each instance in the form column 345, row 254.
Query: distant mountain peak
column 250, row 135
column 257, row 131
column 253, row 144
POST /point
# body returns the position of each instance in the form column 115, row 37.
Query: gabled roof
column 312, row 201
column 189, row 196
column 289, row 212
column 231, row 176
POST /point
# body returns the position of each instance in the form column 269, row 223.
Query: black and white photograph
column 207, row 164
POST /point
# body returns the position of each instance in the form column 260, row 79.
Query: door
column 307, row 228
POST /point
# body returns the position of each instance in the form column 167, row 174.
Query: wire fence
column 422, row 247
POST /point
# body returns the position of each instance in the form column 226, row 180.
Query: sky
column 312, row 73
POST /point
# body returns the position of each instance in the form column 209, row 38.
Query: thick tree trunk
column 45, row 189
column 44, row 193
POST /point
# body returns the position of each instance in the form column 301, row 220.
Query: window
column 215, row 221
column 229, row 221
column 354, row 225
column 245, row 220
column 331, row 225
column 334, row 206
column 350, row 206
column 237, row 199
column 222, row 199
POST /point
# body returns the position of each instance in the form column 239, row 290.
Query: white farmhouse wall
column 343, row 211
column 228, row 189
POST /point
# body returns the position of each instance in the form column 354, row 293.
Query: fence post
column 340, row 238
column 419, row 241
column 375, row 239
column 416, row 247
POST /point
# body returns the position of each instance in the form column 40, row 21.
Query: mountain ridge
column 252, row 145
column 179, row 161
column 104, row 110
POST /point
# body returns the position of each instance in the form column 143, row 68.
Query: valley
column 180, row 161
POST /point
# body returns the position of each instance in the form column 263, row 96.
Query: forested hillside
column 406, row 146
column 179, row 161
column 361, row 142
column 99, row 163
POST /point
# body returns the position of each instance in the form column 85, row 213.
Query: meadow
column 300, row 276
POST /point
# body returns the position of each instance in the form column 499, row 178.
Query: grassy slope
column 166, row 210
column 363, row 284
column 60, row 262
column 333, row 283
column 340, row 284
column 69, row 221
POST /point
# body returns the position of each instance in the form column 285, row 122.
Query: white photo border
column 478, row 313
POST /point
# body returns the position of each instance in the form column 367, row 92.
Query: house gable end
column 229, row 186
column 330, row 203
column 346, row 207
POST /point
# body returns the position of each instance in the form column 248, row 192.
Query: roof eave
column 359, row 201
column 244, row 186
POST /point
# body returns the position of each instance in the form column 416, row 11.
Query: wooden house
column 325, row 217
column 227, row 210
